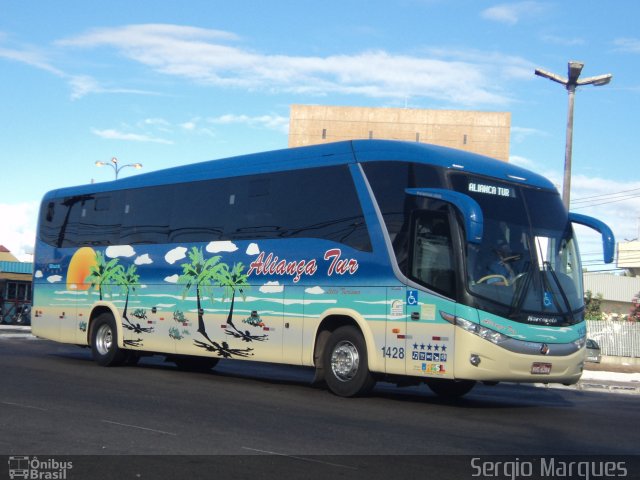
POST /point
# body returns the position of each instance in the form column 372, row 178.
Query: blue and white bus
column 366, row 260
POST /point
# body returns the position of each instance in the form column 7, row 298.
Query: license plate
column 539, row 368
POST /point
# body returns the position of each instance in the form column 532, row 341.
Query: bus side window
column 432, row 252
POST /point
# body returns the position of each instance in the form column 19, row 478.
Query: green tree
column 634, row 314
column 102, row 272
column 592, row 306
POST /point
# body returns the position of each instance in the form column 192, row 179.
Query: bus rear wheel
column 104, row 342
column 345, row 363
column 450, row 388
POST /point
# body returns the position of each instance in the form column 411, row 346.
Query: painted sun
column 79, row 268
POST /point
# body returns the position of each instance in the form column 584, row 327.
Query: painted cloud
column 217, row 247
column 176, row 254
column 172, row 278
column 253, row 249
column 272, row 287
column 143, row 260
column 54, row 278
column 314, row 290
column 120, row 251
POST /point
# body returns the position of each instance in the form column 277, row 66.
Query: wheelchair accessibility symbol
column 548, row 299
column 412, row 297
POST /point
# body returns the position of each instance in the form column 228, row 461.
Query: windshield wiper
column 549, row 268
column 520, row 293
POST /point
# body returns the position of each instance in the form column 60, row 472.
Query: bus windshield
column 528, row 257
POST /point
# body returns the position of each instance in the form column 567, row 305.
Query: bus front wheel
column 104, row 342
column 345, row 363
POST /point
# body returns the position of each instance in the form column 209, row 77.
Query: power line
column 621, row 199
column 585, row 199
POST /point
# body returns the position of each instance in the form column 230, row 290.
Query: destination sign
column 488, row 189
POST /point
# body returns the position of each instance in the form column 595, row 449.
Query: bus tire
column 104, row 342
column 450, row 388
column 345, row 363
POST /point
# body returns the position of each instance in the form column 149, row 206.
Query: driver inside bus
column 501, row 270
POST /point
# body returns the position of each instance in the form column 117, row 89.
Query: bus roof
column 337, row 153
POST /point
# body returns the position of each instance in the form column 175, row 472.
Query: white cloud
column 519, row 134
column 272, row 287
column 271, row 122
column 253, row 249
column 205, row 56
column 111, row 134
column 512, row 13
column 172, row 279
column 216, row 247
column 314, row 291
column 522, row 162
column 566, row 42
column 38, row 274
column 176, row 254
column 630, row 45
column 80, row 85
column 120, row 251
column 32, row 58
column 54, row 278
column 190, row 125
column 143, row 260
column 18, row 228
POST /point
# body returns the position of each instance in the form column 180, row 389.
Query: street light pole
column 117, row 167
column 571, row 83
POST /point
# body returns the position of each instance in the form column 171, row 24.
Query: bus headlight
column 482, row 332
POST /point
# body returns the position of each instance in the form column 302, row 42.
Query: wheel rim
column 344, row 361
column 104, row 339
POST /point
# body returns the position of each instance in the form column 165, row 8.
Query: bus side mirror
column 467, row 206
column 608, row 240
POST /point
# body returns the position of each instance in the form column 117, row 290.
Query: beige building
column 617, row 291
column 629, row 256
column 486, row 133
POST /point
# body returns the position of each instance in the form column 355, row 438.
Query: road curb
column 626, row 389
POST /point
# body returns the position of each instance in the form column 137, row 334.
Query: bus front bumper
column 480, row 359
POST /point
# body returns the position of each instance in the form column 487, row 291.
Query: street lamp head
column 100, row 164
column 571, row 83
column 551, row 76
column 137, row 165
column 114, row 160
column 574, row 69
column 596, row 81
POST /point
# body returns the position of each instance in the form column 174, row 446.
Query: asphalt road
column 55, row 401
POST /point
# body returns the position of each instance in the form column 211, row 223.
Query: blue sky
column 166, row 83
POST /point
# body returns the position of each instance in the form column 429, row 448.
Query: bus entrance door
column 429, row 337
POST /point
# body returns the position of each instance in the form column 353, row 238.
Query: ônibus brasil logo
column 33, row 468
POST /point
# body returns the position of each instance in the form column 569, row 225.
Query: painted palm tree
column 102, row 272
column 129, row 280
column 235, row 281
column 201, row 274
